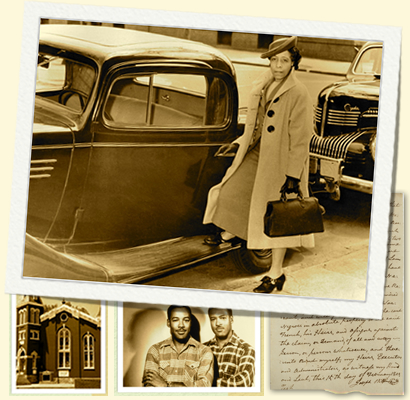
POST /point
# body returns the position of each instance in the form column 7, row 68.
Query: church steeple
column 29, row 348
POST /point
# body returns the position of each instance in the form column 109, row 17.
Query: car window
column 50, row 74
column 370, row 62
column 64, row 81
column 166, row 100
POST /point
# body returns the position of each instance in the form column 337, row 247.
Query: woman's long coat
column 284, row 150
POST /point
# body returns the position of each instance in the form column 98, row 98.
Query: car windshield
column 370, row 62
column 64, row 81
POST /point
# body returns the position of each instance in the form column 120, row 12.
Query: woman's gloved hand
column 291, row 185
column 227, row 150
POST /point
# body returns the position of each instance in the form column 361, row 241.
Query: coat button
column 271, row 113
column 276, row 100
column 271, row 128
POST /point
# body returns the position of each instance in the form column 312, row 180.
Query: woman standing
column 271, row 156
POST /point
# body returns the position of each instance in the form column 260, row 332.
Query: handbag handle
column 284, row 198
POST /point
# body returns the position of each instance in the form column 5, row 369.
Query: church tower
column 29, row 343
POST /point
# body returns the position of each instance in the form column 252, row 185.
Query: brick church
column 57, row 344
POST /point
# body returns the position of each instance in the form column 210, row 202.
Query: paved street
column 337, row 266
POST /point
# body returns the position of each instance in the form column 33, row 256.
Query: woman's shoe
column 214, row 240
column 217, row 239
column 269, row 284
column 279, row 282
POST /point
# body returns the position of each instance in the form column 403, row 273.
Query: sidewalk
column 47, row 386
column 306, row 64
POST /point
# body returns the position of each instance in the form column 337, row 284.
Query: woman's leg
column 277, row 277
column 278, row 255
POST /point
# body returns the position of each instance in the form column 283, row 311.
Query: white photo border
column 255, row 390
column 371, row 308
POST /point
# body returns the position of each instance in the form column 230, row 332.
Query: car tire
column 254, row 262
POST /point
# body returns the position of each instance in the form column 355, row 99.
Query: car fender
column 42, row 261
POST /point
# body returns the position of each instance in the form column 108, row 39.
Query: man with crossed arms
column 235, row 357
column 179, row 361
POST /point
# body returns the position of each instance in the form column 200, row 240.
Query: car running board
column 144, row 263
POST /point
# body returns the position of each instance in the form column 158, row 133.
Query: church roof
column 73, row 311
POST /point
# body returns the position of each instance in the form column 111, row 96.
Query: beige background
column 393, row 12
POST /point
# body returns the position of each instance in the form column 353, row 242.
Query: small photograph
column 57, row 345
column 178, row 348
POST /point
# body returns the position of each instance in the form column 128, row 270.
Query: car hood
column 358, row 89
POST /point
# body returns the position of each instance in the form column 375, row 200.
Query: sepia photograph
column 179, row 348
column 58, row 346
column 226, row 161
column 134, row 177
column 204, row 199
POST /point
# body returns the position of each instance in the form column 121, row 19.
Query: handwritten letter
column 341, row 354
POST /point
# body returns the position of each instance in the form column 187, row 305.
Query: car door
column 152, row 161
column 60, row 146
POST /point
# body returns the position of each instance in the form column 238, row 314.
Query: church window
column 88, row 342
column 64, row 348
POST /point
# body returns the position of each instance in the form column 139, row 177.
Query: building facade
column 311, row 47
column 57, row 344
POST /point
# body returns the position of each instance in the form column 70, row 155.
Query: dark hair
column 213, row 309
column 295, row 56
column 173, row 307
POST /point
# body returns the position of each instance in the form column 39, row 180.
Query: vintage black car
column 126, row 125
column 343, row 147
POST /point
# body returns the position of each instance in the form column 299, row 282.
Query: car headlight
column 372, row 146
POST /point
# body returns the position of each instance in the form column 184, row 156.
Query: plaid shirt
column 236, row 362
column 192, row 367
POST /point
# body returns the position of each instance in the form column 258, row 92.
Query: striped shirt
column 192, row 367
column 236, row 362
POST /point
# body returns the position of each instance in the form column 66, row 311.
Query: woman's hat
column 279, row 45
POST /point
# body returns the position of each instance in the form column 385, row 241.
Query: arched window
column 21, row 360
column 34, row 315
column 34, row 357
column 88, row 346
column 22, row 316
column 64, row 348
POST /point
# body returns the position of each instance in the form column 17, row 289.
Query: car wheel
column 252, row 261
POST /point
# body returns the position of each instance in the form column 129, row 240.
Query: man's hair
column 173, row 307
column 216, row 309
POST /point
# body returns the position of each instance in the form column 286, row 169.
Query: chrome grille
column 333, row 146
column 337, row 117
column 372, row 112
column 343, row 118
column 317, row 114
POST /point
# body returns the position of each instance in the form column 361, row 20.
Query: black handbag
column 290, row 217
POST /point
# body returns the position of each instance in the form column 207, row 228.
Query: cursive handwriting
column 346, row 354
